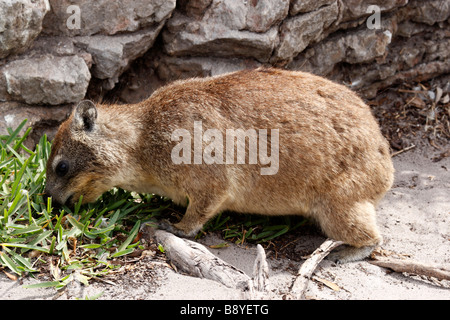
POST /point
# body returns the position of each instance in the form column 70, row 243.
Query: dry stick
column 412, row 267
column 403, row 150
column 300, row 283
column 196, row 260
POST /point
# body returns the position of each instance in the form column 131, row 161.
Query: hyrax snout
column 262, row 141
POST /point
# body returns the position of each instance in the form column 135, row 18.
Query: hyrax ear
column 85, row 116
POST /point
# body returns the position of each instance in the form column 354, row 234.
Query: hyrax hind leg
column 356, row 226
column 198, row 212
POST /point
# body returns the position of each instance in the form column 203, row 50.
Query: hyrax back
column 312, row 148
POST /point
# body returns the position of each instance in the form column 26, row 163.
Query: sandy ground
column 414, row 219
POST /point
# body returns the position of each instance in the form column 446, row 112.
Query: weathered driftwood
column 300, row 283
column 412, row 267
column 196, row 260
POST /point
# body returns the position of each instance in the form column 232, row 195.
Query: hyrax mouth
column 69, row 200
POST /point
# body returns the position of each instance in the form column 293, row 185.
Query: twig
column 300, row 283
column 403, row 150
column 412, row 267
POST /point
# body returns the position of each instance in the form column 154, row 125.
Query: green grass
column 84, row 239
column 81, row 242
column 253, row 228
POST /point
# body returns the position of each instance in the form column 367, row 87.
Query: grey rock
column 354, row 9
column 367, row 61
column 43, row 119
column 20, row 23
column 263, row 14
column 223, row 31
column 430, row 11
column 112, row 55
column 57, row 46
column 193, row 8
column 300, row 31
column 302, row 6
column 210, row 37
column 45, row 80
column 173, row 68
column 410, row 59
column 354, row 47
column 106, row 17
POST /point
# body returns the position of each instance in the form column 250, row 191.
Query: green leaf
column 52, row 245
column 15, row 133
column 21, row 261
column 40, row 237
column 25, row 246
column 103, row 230
column 19, row 175
column 9, row 263
column 131, row 237
column 277, row 234
column 26, row 230
column 74, row 222
column 122, row 253
column 19, row 142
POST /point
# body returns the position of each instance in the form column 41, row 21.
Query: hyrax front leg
column 197, row 214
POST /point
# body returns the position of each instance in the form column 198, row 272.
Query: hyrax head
column 76, row 166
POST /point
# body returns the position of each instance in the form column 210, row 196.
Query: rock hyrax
column 263, row 141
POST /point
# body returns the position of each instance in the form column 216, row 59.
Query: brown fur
column 334, row 164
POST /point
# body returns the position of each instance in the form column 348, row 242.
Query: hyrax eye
column 62, row 168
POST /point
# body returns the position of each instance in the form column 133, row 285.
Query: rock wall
column 54, row 53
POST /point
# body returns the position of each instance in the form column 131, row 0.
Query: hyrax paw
column 338, row 257
column 350, row 254
column 169, row 227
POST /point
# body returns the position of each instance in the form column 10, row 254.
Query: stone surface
column 225, row 30
column 107, row 17
column 370, row 60
column 263, row 14
column 408, row 59
column 354, row 47
column 172, row 68
column 298, row 32
column 354, row 9
column 20, row 23
column 113, row 54
column 430, row 11
column 43, row 119
column 45, row 80
column 193, row 8
column 302, row 6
